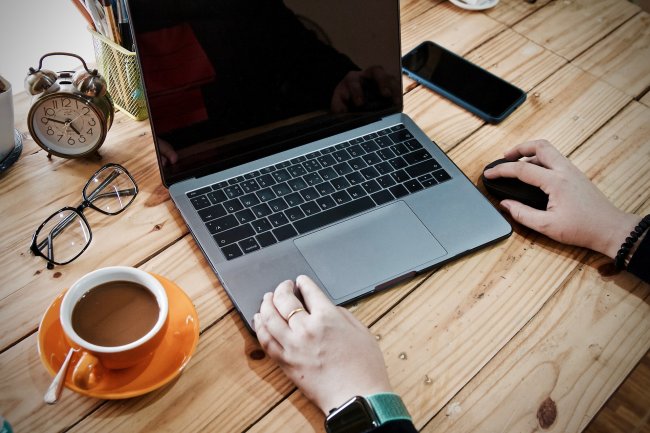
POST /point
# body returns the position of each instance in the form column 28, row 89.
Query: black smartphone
column 463, row 82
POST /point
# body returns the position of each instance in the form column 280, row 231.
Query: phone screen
column 470, row 86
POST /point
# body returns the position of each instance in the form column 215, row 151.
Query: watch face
column 355, row 416
column 66, row 125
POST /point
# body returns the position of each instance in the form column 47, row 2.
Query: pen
column 110, row 20
column 123, row 23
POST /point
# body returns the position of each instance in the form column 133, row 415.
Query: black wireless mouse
column 510, row 188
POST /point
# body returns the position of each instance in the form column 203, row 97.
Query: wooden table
column 525, row 335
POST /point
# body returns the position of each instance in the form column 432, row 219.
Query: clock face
column 66, row 125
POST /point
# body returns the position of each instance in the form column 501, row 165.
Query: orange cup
column 95, row 359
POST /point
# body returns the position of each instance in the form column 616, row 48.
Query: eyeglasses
column 66, row 234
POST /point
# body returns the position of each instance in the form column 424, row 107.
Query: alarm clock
column 71, row 111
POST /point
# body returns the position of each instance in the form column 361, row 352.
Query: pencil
column 110, row 18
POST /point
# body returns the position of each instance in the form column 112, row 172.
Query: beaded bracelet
column 619, row 261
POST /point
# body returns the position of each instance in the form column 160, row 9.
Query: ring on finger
column 296, row 311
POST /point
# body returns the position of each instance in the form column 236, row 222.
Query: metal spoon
column 54, row 391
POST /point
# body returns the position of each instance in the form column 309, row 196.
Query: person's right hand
column 577, row 212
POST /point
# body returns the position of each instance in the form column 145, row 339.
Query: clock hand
column 54, row 120
column 75, row 129
column 68, row 123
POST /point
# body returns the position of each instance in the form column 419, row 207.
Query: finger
column 274, row 322
column 312, row 295
column 287, row 303
column 356, row 91
column 545, row 152
column 529, row 173
column 268, row 343
column 340, row 98
column 526, row 215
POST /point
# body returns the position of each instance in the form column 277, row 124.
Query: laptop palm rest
column 363, row 252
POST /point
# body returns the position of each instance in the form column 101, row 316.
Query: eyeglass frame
column 78, row 211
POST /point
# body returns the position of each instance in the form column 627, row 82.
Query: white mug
column 7, row 138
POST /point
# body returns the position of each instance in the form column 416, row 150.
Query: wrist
column 363, row 413
column 623, row 226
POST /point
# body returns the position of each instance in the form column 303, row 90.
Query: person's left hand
column 323, row 349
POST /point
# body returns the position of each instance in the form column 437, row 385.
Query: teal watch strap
column 388, row 407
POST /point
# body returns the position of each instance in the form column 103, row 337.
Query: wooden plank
column 645, row 100
column 449, row 327
column 409, row 9
column 569, row 27
column 572, row 330
column 510, row 12
column 623, row 58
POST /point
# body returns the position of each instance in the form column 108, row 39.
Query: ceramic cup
column 93, row 359
column 7, row 138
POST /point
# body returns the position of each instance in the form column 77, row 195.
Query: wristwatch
column 360, row 414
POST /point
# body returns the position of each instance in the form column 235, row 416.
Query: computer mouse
column 510, row 188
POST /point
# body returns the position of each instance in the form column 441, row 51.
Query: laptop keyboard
column 278, row 202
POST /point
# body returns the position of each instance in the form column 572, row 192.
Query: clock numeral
column 82, row 139
column 71, row 141
column 85, row 110
column 55, row 104
column 44, row 120
column 50, row 131
column 60, row 137
column 49, row 111
column 90, row 131
column 92, row 122
column 65, row 103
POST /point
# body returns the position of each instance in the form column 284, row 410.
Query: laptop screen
column 230, row 81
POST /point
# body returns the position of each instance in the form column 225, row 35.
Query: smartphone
column 463, row 82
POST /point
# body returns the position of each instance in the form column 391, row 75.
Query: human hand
column 577, row 212
column 324, row 349
column 349, row 93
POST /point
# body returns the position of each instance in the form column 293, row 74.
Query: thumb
column 312, row 295
column 526, row 215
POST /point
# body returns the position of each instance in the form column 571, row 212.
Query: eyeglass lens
column 110, row 190
column 63, row 237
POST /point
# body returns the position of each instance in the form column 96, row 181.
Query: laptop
column 279, row 132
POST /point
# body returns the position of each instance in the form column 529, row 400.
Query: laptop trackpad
column 370, row 249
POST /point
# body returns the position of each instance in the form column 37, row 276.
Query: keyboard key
column 441, row 175
column 236, row 180
column 371, row 186
column 233, row 205
column 370, row 136
column 212, row 212
column 312, row 179
column 298, row 159
column 355, row 151
column 281, row 175
column 297, row 184
column 325, row 188
column 251, row 175
column 249, row 200
column 355, row 178
column 423, row 167
column 398, row 163
column 399, row 149
column 285, row 232
column 296, row 170
column 278, row 219
column 217, row 196
column 312, row 165
column 244, row 216
column 249, row 245
column 310, row 208
column 340, row 183
column 397, row 127
column 412, row 185
column 312, row 155
column 327, row 150
column 261, row 225
column 357, row 164
column 221, row 224
column 417, row 156
column 268, row 169
column 200, row 202
column 328, row 173
column 325, row 203
column 428, row 182
column 198, row 192
column 309, row 194
column 400, row 136
column 265, row 194
column 385, row 154
column 326, row 160
column 341, row 155
column 233, row 191
column 413, row 145
column 342, row 145
column 283, row 164
column 357, row 140
column 369, row 173
column 336, row 214
column 341, row 197
column 234, row 235
column 371, row 158
column 231, row 252
column 294, row 199
column 278, row 204
column 383, row 141
column 386, row 181
column 382, row 197
column 400, row 176
column 398, row 191
column 294, row 213
column 281, row 189
column 266, row 180
column 249, row 186
column 370, row 146
column 356, row 191
column 265, row 239
column 262, row 210
column 342, row 169
column 220, row 185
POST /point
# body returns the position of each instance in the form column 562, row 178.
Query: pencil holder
column 120, row 69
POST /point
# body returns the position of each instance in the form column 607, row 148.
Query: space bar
column 336, row 214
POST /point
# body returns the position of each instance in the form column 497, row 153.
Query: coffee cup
column 7, row 137
column 115, row 317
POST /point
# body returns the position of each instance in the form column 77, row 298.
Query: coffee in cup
column 117, row 317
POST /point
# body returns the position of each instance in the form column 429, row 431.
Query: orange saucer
column 167, row 361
